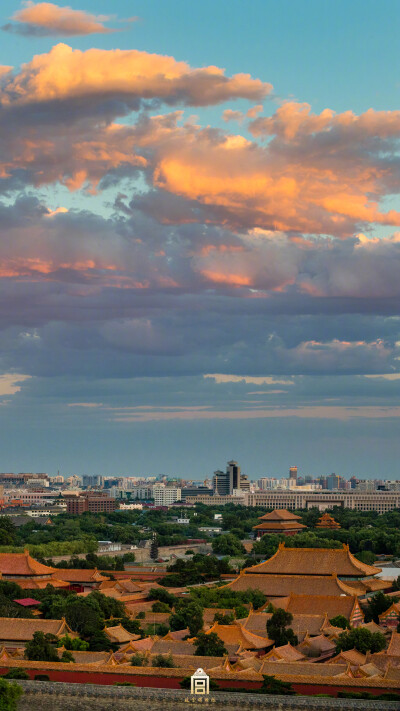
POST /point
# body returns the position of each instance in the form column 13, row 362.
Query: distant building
column 195, row 491
column 327, row 521
column 165, row 495
column 231, row 481
column 293, row 473
column 95, row 502
column 279, row 522
column 380, row 501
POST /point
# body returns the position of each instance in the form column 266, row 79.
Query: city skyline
column 199, row 237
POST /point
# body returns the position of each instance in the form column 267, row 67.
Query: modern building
column 231, row 481
column 380, row 501
column 165, row 495
column 195, row 491
column 293, row 473
column 94, row 502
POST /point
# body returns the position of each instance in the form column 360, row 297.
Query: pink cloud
column 47, row 18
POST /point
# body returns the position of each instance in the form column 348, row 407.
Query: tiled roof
column 318, row 644
column 177, row 635
column 303, row 668
column 298, row 675
column 286, row 653
column 34, row 584
column 353, row 656
column 274, row 585
column 120, row 635
column 86, row 657
column 394, row 645
column 394, row 608
column 369, row 670
column 168, row 646
column 373, row 627
column 19, row 629
column 22, row 564
column 237, row 634
column 210, row 612
column 27, row 601
column 279, row 526
column 331, row 605
column 311, row 561
column 393, row 674
column 156, row 618
column 81, row 575
column 189, row 661
column 280, row 515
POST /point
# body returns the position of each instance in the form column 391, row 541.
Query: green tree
column 83, row 618
column 361, row 639
column 154, row 549
column 67, row 656
column 227, row 544
column 163, row 660
column 160, row 607
column 74, row 643
column 42, row 648
column 16, row 673
column 377, row 604
column 138, row 660
column 224, row 619
column 278, row 630
column 9, row 695
column 162, row 595
column 271, row 685
column 340, row 621
column 187, row 614
column 209, row 645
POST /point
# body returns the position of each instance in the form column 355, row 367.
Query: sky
column 200, row 237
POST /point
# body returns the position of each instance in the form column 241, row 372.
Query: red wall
column 165, row 682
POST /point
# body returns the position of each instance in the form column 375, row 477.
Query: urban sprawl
column 277, row 586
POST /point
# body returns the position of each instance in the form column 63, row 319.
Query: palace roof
column 177, row 635
column 280, row 515
column 331, row 605
column 285, row 653
column 21, row 629
column 274, row 585
column 237, row 634
column 352, row 656
column 41, row 584
column 327, row 521
column 314, row 561
column 394, row 645
column 22, row 564
column 120, row 635
column 80, row 575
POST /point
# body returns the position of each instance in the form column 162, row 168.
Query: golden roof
column 23, row 564
column 274, row 585
column 237, row 634
column 311, row 561
column 21, row 629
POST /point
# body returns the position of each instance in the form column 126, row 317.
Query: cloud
column 46, row 19
column 124, row 75
column 10, row 383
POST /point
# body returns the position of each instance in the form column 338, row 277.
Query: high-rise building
column 293, row 473
column 166, row 495
column 224, row 483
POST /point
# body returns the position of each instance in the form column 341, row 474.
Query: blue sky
column 199, row 239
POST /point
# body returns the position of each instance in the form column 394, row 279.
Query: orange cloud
column 45, row 18
column 65, row 73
